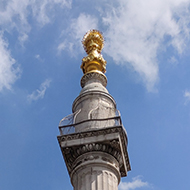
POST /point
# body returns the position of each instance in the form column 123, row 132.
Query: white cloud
column 83, row 24
column 138, row 30
column 76, row 31
column 173, row 60
column 38, row 57
column 15, row 14
column 187, row 96
column 136, row 183
column 61, row 47
column 39, row 93
column 9, row 72
column 22, row 38
column 43, row 9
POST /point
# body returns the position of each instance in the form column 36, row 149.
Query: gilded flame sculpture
column 93, row 43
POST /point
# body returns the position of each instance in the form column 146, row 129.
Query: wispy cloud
column 15, row 13
column 82, row 24
column 138, row 30
column 9, row 71
column 187, row 96
column 61, row 47
column 135, row 184
column 39, row 93
column 173, row 60
column 76, row 31
column 38, row 57
column 42, row 10
column 135, row 32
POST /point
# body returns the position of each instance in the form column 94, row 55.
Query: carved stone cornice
column 111, row 140
column 72, row 153
column 96, row 75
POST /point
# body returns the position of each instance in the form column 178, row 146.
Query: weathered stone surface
column 112, row 141
column 95, row 152
column 97, row 171
column 94, row 102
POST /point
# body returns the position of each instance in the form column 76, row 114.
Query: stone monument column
column 93, row 140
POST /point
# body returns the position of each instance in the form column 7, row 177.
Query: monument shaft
column 93, row 140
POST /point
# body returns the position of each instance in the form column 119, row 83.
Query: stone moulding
column 112, row 140
column 94, row 75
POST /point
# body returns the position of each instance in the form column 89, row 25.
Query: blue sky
column 147, row 45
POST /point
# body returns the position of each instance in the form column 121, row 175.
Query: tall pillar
column 93, row 140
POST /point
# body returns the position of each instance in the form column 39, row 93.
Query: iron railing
column 67, row 124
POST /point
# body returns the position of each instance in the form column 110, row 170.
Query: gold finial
column 93, row 43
